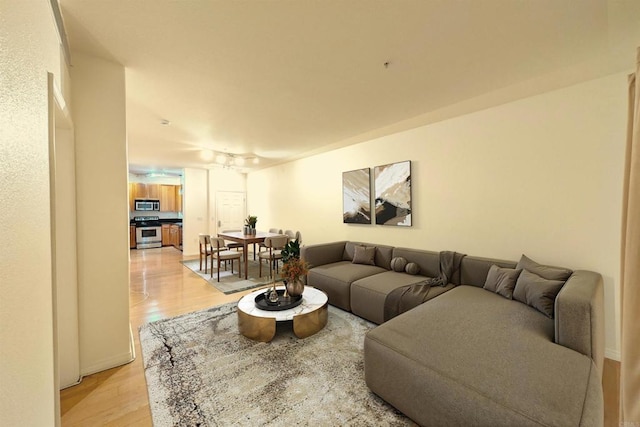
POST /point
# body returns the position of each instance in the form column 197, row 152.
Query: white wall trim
column 612, row 354
column 108, row 363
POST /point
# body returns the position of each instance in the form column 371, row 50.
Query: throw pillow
column 364, row 255
column 502, row 280
column 398, row 264
column 412, row 268
column 544, row 271
column 537, row 292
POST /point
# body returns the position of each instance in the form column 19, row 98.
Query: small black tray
column 283, row 303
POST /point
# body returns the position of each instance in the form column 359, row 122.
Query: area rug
column 201, row 372
column 230, row 282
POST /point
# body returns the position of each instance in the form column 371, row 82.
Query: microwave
column 147, row 205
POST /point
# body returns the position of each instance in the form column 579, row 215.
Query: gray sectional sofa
column 494, row 347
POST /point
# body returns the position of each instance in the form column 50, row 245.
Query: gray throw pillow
column 364, row 255
column 398, row 264
column 544, row 271
column 412, row 268
column 502, row 280
column 537, row 292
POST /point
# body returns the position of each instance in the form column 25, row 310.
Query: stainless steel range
column 148, row 232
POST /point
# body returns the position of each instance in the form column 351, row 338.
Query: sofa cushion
column 335, row 280
column 368, row 294
column 471, row 357
column 502, row 280
column 412, row 268
column 364, row 255
column 544, row 271
column 474, row 270
column 428, row 261
column 382, row 258
column 537, row 292
column 398, row 264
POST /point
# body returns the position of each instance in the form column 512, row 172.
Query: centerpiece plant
column 293, row 268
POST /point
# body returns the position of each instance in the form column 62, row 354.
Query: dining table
column 246, row 240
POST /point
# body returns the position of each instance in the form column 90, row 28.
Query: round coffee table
column 260, row 325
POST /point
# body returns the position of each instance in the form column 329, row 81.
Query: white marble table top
column 312, row 299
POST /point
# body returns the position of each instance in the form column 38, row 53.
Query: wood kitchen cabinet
column 167, row 198
column 178, row 189
column 145, row 191
column 176, row 236
column 132, row 237
column 166, row 235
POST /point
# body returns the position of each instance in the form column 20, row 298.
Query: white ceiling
column 280, row 79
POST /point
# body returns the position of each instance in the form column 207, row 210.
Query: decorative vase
column 295, row 288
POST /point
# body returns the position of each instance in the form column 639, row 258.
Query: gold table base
column 264, row 328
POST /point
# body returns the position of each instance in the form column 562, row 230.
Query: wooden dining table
column 246, row 240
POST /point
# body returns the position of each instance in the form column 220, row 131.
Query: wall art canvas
column 393, row 194
column 356, row 197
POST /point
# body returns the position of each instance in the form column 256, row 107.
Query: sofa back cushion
column 474, row 270
column 382, row 258
column 428, row 261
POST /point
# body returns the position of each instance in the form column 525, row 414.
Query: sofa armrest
column 323, row 253
column 579, row 315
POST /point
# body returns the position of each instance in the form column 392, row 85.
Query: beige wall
column 541, row 176
column 98, row 98
column 28, row 50
column 195, row 209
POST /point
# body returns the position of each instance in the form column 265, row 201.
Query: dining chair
column 299, row 237
column 273, row 253
column 261, row 245
column 290, row 234
column 205, row 249
column 219, row 252
column 232, row 245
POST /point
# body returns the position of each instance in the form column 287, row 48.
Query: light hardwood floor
column 161, row 287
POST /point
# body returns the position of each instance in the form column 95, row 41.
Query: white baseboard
column 108, row 363
column 612, row 354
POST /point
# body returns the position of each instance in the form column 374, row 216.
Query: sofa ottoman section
column 368, row 295
column 472, row 357
column 335, row 280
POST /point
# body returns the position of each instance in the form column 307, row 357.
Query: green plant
column 251, row 221
column 290, row 251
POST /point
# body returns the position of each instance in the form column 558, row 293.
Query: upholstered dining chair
column 205, row 249
column 299, row 237
column 290, row 234
column 219, row 253
column 273, row 252
column 232, row 245
column 262, row 246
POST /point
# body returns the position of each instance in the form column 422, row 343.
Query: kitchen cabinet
column 176, row 236
column 166, row 235
column 168, row 198
column 132, row 237
column 145, row 191
column 178, row 189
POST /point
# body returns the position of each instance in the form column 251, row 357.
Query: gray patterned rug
column 201, row 372
column 230, row 282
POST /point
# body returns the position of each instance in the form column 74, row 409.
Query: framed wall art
column 393, row 194
column 356, row 197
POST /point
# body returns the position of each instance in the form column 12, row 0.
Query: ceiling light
column 165, row 122
column 256, row 160
column 221, row 159
column 238, row 161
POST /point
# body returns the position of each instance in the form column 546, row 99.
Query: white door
column 230, row 210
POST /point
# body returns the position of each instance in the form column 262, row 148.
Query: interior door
column 230, row 210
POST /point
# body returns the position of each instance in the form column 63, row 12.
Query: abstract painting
column 393, row 194
column 356, row 197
